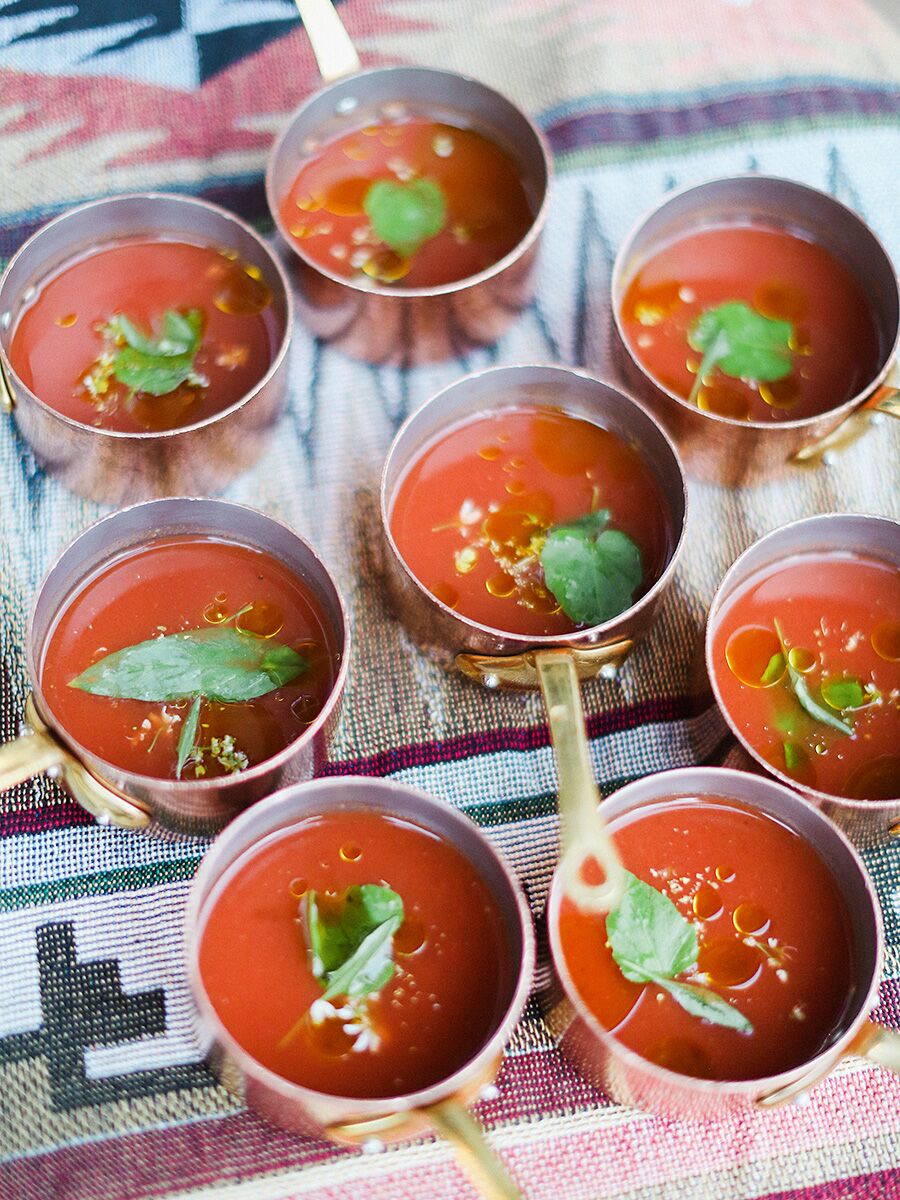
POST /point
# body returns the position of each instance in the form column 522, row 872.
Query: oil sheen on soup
column 442, row 983
column 475, row 513
column 407, row 201
column 189, row 658
column 147, row 335
column 806, row 659
column 751, row 323
column 772, row 939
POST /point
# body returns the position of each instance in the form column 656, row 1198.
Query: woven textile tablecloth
column 103, row 1091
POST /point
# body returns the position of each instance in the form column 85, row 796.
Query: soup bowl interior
column 200, row 804
column 634, row 1080
column 369, row 96
column 102, row 223
column 439, row 629
column 778, row 204
column 848, row 533
column 300, row 1108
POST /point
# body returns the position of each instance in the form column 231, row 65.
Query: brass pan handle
column 335, row 53
column 37, row 750
column 873, row 1042
column 455, row 1123
column 851, row 428
column 880, row 1045
column 583, row 833
column 452, row 1120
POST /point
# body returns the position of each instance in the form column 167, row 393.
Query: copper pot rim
column 153, row 783
column 813, row 1068
column 387, row 290
column 363, row 1107
column 835, row 414
column 131, row 437
column 578, row 637
column 721, row 594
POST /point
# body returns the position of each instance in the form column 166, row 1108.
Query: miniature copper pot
column 123, row 797
column 865, row 821
column 722, row 449
column 555, row 663
column 356, row 1121
column 391, row 324
column 631, row 1079
column 117, row 467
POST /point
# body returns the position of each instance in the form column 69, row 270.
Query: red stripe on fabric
column 519, row 738
column 68, row 814
column 64, row 815
column 880, row 1185
column 218, row 1150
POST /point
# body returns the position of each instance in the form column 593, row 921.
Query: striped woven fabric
column 104, row 1094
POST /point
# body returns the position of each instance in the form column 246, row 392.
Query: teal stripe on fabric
column 129, row 879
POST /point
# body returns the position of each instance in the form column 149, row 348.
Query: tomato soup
column 451, row 977
column 244, row 604
column 472, row 515
column 73, row 349
column 806, row 659
column 411, row 202
column 830, row 343
column 773, row 935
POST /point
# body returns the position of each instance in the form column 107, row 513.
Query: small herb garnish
column 652, row 943
column 351, row 943
column 592, row 571
column 219, row 664
column 742, row 343
column 845, row 694
column 405, row 215
column 808, row 703
column 159, row 364
column 774, row 669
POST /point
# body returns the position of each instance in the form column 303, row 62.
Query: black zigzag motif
column 83, row 1005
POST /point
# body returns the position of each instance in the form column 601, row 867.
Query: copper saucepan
column 723, row 449
column 631, row 1079
column 121, row 797
column 371, row 1122
column 391, row 324
column 117, row 467
column 866, row 822
column 556, row 664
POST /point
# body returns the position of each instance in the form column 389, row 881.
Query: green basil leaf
column 188, row 736
column 156, row 364
column 219, row 663
column 648, row 936
column 593, row 572
column 794, row 756
column 182, row 332
column 351, row 948
column 652, row 942
column 157, row 375
column 844, row 694
column 742, row 343
column 703, row 1002
column 774, row 668
column 404, row 215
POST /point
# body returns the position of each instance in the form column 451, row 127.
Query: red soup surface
column 472, row 202
column 68, row 349
column 806, row 658
column 473, row 511
column 188, row 584
column 453, row 974
column 833, row 347
column 773, row 934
